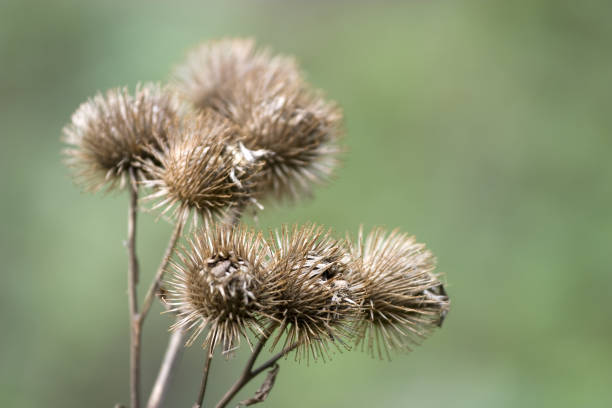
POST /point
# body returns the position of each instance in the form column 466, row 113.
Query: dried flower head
column 215, row 70
column 109, row 133
column 299, row 129
column 277, row 111
column 313, row 295
column 217, row 282
column 201, row 169
column 404, row 299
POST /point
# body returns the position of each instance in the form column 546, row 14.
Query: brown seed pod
column 404, row 299
column 299, row 129
column 277, row 111
column 215, row 70
column 201, row 169
column 314, row 299
column 217, row 283
column 109, row 133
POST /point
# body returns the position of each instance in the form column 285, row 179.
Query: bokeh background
column 483, row 127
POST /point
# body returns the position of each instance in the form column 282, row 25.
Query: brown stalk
column 175, row 344
column 135, row 321
column 209, row 357
column 160, row 270
column 248, row 373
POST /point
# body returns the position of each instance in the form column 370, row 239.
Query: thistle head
column 215, row 70
column 404, row 299
column 217, row 283
column 301, row 132
column 276, row 110
column 314, row 297
column 109, row 133
column 201, row 169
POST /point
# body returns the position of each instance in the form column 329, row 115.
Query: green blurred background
column 483, row 127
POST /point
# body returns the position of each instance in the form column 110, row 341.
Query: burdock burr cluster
column 235, row 128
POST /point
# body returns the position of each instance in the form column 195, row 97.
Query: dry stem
column 135, row 322
column 160, row 270
column 248, row 373
column 209, row 356
column 175, row 346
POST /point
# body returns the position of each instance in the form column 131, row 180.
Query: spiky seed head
column 109, row 133
column 314, row 297
column 201, row 169
column 277, row 111
column 217, row 283
column 214, row 71
column 301, row 132
column 404, row 299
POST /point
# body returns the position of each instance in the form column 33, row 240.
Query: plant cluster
column 239, row 126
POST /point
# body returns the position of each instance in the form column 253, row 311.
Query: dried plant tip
column 404, row 299
column 266, row 96
column 217, row 282
column 300, row 129
column 315, row 299
column 214, row 71
column 109, row 133
column 200, row 170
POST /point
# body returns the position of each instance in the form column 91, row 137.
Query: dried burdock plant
column 201, row 169
column 404, row 298
column 315, row 300
column 218, row 283
column 109, row 133
column 238, row 125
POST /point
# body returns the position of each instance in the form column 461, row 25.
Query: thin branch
column 264, row 390
column 175, row 345
column 248, row 373
column 160, row 271
column 209, row 357
column 270, row 363
column 258, row 348
column 135, row 332
column 174, row 349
